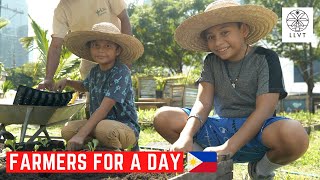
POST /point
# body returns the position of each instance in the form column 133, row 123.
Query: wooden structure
column 146, row 87
column 174, row 94
column 167, row 86
column 183, row 95
column 147, row 94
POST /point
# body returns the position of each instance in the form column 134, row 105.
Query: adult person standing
column 81, row 15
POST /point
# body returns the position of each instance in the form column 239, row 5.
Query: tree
column 66, row 63
column 303, row 54
column 154, row 25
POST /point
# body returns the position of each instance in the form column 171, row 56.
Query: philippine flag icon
column 202, row 162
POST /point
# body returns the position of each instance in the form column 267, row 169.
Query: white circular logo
column 297, row 20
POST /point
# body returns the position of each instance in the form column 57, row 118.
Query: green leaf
column 3, row 22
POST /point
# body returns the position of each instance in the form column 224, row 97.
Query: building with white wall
column 297, row 88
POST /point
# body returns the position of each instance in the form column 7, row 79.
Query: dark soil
column 131, row 176
column 82, row 176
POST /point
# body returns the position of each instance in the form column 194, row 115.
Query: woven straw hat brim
column 77, row 41
column 260, row 20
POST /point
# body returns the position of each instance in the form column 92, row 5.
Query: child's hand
column 60, row 85
column 182, row 144
column 220, row 150
column 75, row 143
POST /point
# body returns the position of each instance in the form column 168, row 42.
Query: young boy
column 244, row 83
column 113, row 119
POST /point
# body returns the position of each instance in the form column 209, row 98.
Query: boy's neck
column 106, row 67
column 244, row 52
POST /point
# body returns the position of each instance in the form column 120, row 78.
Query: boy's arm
column 76, row 85
column 201, row 107
column 265, row 107
column 77, row 141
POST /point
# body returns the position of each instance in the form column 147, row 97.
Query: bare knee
column 161, row 115
column 169, row 117
column 295, row 137
column 287, row 139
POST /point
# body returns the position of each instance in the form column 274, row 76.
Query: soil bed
column 131, row 176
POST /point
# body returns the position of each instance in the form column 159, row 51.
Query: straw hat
column 77, row 41
column 259, row 19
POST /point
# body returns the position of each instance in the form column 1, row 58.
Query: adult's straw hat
column 260, row 20
column 77, row 42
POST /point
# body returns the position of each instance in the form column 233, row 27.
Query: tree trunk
column 309, row 101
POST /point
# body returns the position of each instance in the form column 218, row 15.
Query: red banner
column 94, row 162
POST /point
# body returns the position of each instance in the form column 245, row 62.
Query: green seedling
column 92, row 145
column 36, row 147
column 130, row 147
column 44, row 142
column 11, row 143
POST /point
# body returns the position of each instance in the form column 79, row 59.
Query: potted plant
column 160, row 81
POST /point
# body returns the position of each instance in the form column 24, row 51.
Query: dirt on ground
column 131, row 176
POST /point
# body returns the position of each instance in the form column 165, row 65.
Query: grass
column 305, row 118
column 306, row 168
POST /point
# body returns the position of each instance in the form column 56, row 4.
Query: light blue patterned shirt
column 116, row 84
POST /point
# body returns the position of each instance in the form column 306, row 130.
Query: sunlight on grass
column 307, row 167
column 149, row 135
column 15, row 130
column 306, row 118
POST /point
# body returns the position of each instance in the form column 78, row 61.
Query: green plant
column 12, row 144
column 3, row 22
column 6, row 86
column 36, row 147
column 129, row 147
column 40, row 43
column 92, row 145
column 160, row 81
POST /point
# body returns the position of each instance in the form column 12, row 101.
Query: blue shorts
column 217, row 130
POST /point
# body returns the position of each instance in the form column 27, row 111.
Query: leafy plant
column 3, row 22
column 6, row 86
column 92, row 145
column 12, row 144
column 40, row 43
column 36, row 147
column 129, row 148
column 160, row 83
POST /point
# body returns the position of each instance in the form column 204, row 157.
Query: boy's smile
column 104, row 53
column 227, row 40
